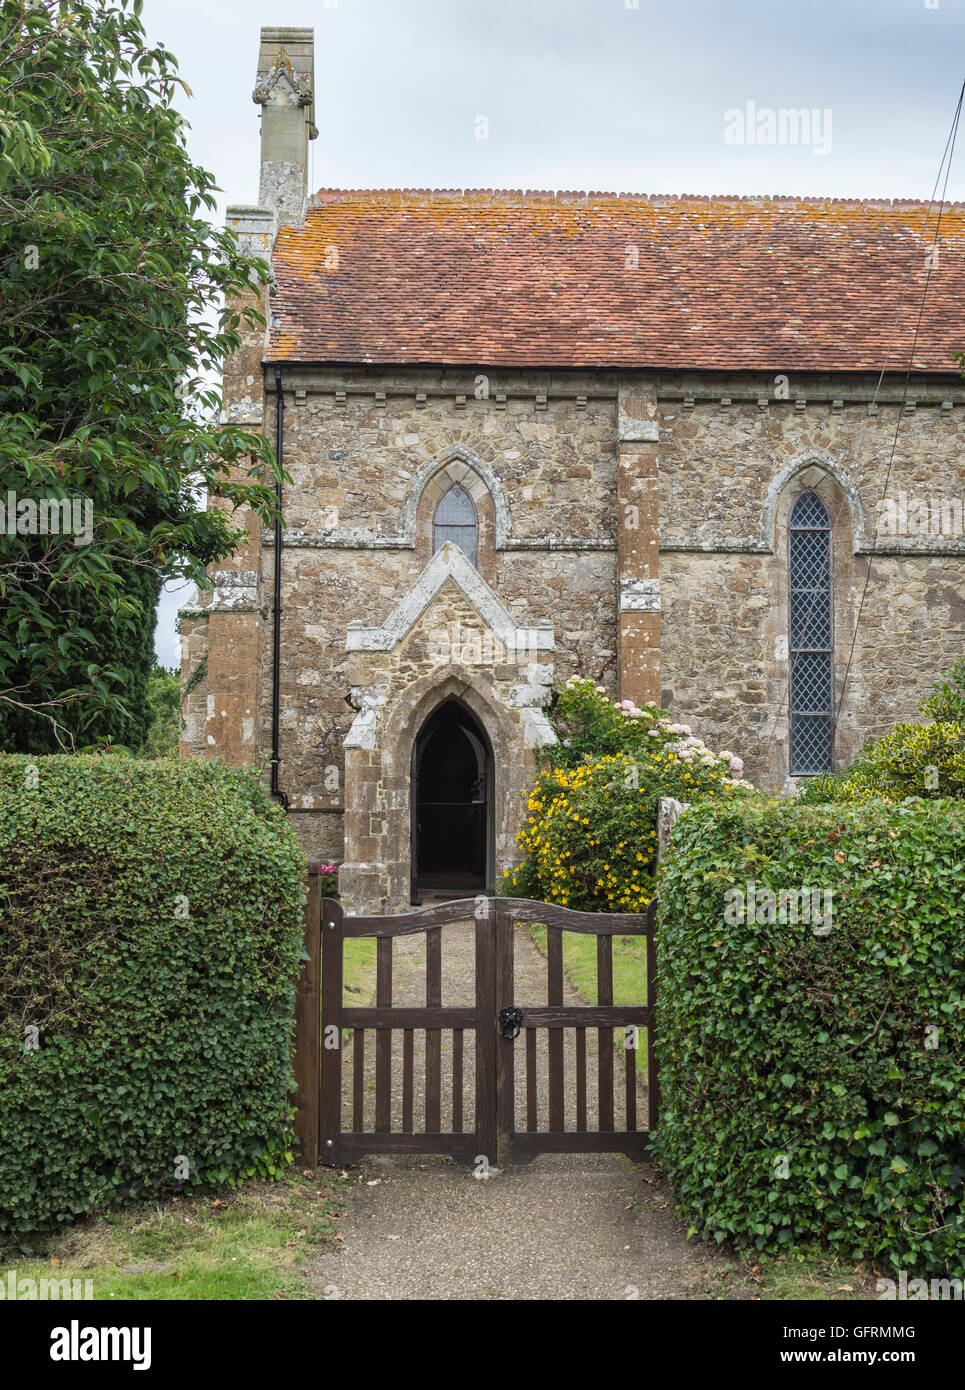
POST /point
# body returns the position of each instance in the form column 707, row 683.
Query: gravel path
column 584, row 1226
column 563, row 1227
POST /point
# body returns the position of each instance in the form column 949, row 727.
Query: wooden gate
column 509, row 1054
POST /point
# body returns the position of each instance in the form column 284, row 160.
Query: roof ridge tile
column 327, row 196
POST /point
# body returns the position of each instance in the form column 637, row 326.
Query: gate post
column 653, row 1077
column 307, row 1026
column 330, row 1074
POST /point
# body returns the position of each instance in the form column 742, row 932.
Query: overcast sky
column 583, row 94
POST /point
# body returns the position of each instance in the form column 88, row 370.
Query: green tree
column 164, row 714
column 119, row 304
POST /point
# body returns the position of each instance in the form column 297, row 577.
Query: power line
column 930, row 266
column 843, row 503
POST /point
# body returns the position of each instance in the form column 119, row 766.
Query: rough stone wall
column 365, row 448
column 912, row 629
column 638, row 552
column 353, row 462
column 354, row 466
column 732, row 461
column 717, row 461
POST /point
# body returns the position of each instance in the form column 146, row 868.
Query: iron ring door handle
column 510, row 1021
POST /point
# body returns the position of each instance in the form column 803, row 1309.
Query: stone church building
column 666, row 442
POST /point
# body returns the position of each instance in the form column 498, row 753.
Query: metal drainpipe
column 276, row 629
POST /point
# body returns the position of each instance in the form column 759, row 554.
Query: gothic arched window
column 455, row 520
column 811, row 639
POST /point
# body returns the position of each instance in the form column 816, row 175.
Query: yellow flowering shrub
column 590, row 836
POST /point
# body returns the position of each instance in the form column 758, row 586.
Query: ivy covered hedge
column 813, row 1068
column 150, row 933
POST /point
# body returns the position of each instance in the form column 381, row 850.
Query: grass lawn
column 358, row 970
column 629, row 973
column 249, row 1244
column 358, row 975
column 812, row 1277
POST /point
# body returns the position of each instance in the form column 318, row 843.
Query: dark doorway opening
column 451, row 781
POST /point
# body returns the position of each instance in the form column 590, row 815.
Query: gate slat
column 486, row 1037
column 358, row 1081
column 433, row 1035
column 505, row 1050
column 532, row 1113
column 457, row 1081
column 631, row 1086
column 604, row 995
column 383, row 1038
column 408, row 1077
column 555, row 1039
column 581, row 1079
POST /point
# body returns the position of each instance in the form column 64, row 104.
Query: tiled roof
column 513, row 279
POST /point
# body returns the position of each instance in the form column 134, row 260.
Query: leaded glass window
column 455, row 520
column 811, row 644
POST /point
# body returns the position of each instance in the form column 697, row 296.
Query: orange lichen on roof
column 508, row 278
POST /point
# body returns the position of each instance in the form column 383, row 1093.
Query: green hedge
column 813, row 1072
column 150, row 933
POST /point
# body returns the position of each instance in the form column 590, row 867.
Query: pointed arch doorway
column 452, row 786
